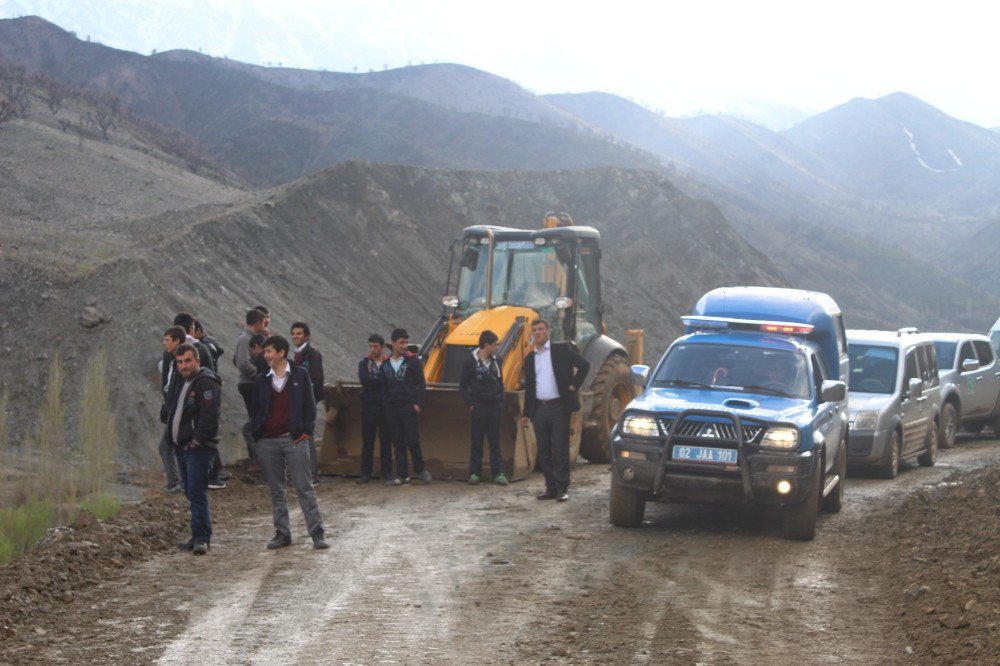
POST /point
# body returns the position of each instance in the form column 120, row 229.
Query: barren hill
column 355, row 249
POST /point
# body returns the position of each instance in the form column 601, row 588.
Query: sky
column 679, row 58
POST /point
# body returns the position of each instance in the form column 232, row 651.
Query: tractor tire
column 626, row 506
column 798, row 521
column 612, row 391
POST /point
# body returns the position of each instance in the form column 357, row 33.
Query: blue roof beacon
column 749, row 406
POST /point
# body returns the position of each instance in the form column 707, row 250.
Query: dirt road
column 447, row 573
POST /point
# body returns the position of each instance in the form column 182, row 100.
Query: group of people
column 282, row 384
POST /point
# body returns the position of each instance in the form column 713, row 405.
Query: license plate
column 703, row 454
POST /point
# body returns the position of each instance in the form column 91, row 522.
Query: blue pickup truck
column 749, row 406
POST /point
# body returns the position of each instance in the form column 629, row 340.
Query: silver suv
column 895, row 399
column 970, row 384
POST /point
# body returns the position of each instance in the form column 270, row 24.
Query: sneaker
column 500, row 479
column 316, row 480
column 363, row 479
column 216, row 484
column 405, row 481
column 279, row 540
column 473, row 479
column 425, row 477
column 174, row 489
column 392, row 481
column 185, row 545
column 200, row 548
column 318, row 542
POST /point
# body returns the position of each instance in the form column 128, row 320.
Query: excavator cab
column 501, row 279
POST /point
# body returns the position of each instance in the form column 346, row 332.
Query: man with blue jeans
column 193, row 425
column 283, row 417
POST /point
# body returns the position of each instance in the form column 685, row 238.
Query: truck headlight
column 640, row 426
column 780, row 438
column 866, row 420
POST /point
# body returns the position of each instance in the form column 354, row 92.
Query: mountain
column 903, row 150
column 351, row 250
column 270, row 133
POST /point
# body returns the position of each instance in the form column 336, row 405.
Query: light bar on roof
column 781, row 327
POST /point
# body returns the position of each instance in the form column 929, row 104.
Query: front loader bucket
column 444, row 434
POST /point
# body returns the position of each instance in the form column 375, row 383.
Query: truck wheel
column 949, row 425
column 612, row 391
column 929, row 457
column 890, row 468
column 798, row 521
column 627, row 506
column 833, row 502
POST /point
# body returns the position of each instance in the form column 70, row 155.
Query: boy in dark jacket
column 481, row 386
column 404, row 385
column 193, row 428
column 282, row 418
column 373, row 415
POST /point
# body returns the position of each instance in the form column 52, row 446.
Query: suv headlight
column 780, row 438
column 640, row 426
column 866, row 420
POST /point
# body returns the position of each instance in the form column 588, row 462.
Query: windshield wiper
column 681, row 382
column 757, row 388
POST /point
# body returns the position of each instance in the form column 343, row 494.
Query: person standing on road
column 481, row 386
column 173, row 337
column 284, row 415
column 373, row 416
column 248, row 372
column 553, row 374
column 213, row 346
column 307, row 356
column 193, row 425
column 403, row 375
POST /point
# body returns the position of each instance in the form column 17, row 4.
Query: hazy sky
column 678, row 57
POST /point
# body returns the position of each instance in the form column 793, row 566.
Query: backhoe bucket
column 444, row 434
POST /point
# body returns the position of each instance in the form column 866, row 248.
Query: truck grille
column 700, row 429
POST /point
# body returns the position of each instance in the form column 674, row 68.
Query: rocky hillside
column 354, row 249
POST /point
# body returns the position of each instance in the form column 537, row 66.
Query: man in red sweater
column 284, row 413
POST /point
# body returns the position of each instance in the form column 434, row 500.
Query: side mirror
column 970, row 364
column 832, row 391
column 916, row 387
column 640, row 375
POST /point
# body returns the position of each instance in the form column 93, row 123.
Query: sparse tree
column 98, row 433
column 65, row 124
column 6, row 113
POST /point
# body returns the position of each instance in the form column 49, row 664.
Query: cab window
column 984, row 351
column 928, row 364
column 819, row 373
column 966, row 352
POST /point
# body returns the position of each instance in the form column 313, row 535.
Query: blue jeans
column 194, row 465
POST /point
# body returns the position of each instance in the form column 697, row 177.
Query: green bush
column 102, row 506
column 22, row 526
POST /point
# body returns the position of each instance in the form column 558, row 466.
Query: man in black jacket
column 481, row 386
column 282, row 419
column 553, row 374
column 403, row 375
column 373, row 416
column 173, row 337
column 193, row 427
column 307, row 356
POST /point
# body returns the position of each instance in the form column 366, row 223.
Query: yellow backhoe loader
column 501, row 279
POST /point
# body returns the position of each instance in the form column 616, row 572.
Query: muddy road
column 449, row 573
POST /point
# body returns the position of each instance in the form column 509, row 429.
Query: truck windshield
column 524, row 274
column 873, row 368
column 729, row 367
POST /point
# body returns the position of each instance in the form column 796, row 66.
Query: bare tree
column 6, row 113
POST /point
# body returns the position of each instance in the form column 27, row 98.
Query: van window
column 912, row 371
column 984, row 351
column 928, row 364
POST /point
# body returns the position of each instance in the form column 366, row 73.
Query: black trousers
column 485, row 422
column 404, row 424
column 373, row 420
column 552, row 434
column 246, row 391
